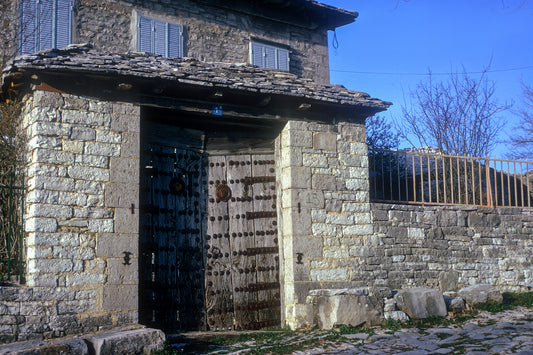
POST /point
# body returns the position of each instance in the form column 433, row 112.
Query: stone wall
column 210, row 33
column 448, row 247
column 324, row 211
column 81, row 219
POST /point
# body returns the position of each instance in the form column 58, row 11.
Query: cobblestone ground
column 509, row 332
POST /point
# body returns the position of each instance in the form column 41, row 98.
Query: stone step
column 115, row 341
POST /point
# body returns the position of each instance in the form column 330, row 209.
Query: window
column 159, row 37
column 268, row 56
column 45, row 24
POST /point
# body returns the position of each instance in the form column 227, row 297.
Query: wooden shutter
column 175, row 40
column 257, row 54
column 64, row 18
column 283, row 59
column 27, row 29
column 266, row 56
column 144, row 35
column 270, row 57
column 45, row 23
column 160, row 37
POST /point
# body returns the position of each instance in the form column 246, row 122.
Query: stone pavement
column 509, row 332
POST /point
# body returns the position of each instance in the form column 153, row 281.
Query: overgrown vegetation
column 510, row 300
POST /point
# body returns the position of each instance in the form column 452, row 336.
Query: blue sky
column 401, row 38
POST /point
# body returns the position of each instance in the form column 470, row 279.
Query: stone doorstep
column 133, row 339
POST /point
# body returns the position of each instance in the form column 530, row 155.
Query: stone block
column 42, row 196
column 309, row 247
column 114, row 245
column 125, row 170
column 325, row 141
column 334, row 307
column 49, row 266
column 454, row 304
column 92, row 161
column 41, row 225
column 324, row 182
column 352, row 132
column 50, row 129
column 290, row 157
column 51, row 183
column 341, row 219
column 120, row 273
column 126, row 221
column 50, row 211
column 75, row 307
column 136, row 341
column 478, row 294
column 101, row 225
column 121, row 195
column 88, row 173
column 296, row 223
column 337, row 274
column 305, row 198
column 84, row 279
column 108, row 137
column 82, row 134
column 72, row 146
column 296, row 178
column 74, row 346
column 102, row 149
column 89, row 187
column 120, row 297
column 87, row 119
column 131, row 145
column 421, row 302
column 295, row 138
column 449, row 280
column 315, row 160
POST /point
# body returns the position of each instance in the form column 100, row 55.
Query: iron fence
column 11, row 226
column 440, row 179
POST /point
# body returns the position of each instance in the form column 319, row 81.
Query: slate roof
column 83, row 60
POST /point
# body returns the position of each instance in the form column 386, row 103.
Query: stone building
column 174, row 162
column 193, row 169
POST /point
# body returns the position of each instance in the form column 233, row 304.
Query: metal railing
column 11, row 226
column 441, row 179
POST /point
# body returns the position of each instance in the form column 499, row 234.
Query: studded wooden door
column 172, row 254
column 242, row 266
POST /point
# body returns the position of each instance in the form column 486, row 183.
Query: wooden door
column 242, row 266
column 171, row 265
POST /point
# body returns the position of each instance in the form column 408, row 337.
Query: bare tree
column 523, row 142
column 380, row 134
column 460, row 115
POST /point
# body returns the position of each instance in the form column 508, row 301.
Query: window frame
column 169, row 27
column 61, row 20
column 265, row 46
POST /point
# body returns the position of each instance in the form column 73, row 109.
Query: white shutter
column 175, row 41
column 144, row 35
column 27, row 29
column 64, row 20
column 283, row 59
column 160, row 38
column 270, row 57
column 267, row 56
column 45, row 23
column 257, row 54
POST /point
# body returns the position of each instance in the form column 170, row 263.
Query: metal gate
column 209, row 241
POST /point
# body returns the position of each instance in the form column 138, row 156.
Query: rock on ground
column 478, row 294
column 421, row 302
